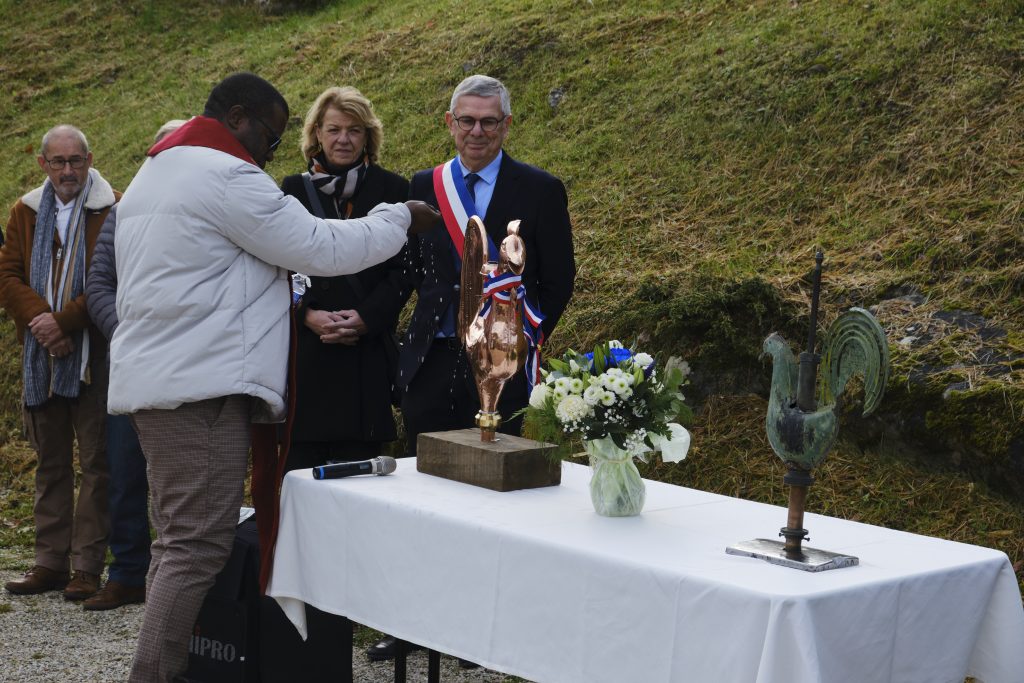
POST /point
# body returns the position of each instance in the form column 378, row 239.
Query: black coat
column 521, row 192
column 343, row 393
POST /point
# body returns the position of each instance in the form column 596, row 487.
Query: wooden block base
column 507, row 464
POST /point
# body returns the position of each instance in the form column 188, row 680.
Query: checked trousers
column 196, row 458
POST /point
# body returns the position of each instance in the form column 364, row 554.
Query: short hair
column 168, row 128
column 483, row 86
column 64, row 129
column 349, row 101
column 256, row 95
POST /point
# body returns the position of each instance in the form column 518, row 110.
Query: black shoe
column 466, row 664
column 386, row 648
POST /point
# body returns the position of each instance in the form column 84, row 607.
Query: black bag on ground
column 243, row 637
column 326, row 655
column 224, row 647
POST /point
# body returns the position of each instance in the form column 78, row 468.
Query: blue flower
column 621, row 355
column 616, row 356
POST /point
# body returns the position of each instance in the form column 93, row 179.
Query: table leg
column 401, row 650
column 346, row 651
column 433, row 666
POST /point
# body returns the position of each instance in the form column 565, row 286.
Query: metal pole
column 794, row 532
column 808, row 359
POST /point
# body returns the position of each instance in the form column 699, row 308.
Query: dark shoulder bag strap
column 314, row 202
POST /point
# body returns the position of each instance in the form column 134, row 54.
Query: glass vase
column 616, row 488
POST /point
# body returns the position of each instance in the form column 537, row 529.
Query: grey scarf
column 44, row 375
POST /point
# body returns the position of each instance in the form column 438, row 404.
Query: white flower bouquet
column 612, row 393
column 620, row 406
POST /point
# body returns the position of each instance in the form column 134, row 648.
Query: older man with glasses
column 484, row 180
column 50, row 239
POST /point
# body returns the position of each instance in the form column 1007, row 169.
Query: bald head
column 64, row 130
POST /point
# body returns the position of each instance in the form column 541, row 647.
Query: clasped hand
column 47, row 332
column 336, row 327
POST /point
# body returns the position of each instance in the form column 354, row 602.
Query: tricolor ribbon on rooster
column 456, row 206
column 498, row 288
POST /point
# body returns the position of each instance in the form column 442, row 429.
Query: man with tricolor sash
column 483, row 180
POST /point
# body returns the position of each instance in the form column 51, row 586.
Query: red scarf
column 203, row 131
column 270, row 444
column 269, row 441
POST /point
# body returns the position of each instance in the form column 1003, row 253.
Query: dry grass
column 17, row 487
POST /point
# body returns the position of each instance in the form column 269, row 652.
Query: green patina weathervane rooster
column 802, row 435
column 801, row 429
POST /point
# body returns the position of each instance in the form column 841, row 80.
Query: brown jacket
column 17, row 297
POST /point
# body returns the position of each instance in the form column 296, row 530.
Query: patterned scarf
column 44, row 375
column 341, row 184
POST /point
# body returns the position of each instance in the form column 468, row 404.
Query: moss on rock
column 718, row 325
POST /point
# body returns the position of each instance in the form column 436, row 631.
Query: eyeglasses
column 275, row 141
column 58, row 163
column 487, row 125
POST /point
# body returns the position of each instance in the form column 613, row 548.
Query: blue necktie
column 471, row 181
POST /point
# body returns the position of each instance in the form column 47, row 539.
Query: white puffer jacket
column 203, row 244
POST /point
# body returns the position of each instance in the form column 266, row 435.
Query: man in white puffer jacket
column 203, row 244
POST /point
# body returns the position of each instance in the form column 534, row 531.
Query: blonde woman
column 346, row 356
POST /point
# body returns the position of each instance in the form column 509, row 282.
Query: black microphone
column 379, row 466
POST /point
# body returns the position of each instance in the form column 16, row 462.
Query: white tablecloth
column 534, row 583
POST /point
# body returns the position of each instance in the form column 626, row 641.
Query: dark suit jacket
column 344, row 392
column 521, row 192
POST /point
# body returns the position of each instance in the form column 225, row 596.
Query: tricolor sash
column 456, row 207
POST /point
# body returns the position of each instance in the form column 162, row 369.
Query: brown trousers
column 196, row 457
column 63, row 528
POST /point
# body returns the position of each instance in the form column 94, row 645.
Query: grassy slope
column 703, row 145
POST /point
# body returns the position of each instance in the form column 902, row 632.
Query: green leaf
column 558, row 365
column 673, row 378
column 600, row 358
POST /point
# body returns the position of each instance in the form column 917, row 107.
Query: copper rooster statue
column 491, row 326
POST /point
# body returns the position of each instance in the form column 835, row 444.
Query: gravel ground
column 45, row 639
